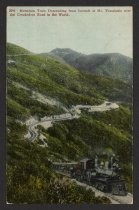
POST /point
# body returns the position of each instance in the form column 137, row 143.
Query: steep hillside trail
column 74, row 113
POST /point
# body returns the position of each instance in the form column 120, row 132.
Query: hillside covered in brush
column 53, row 79
column 39, row 86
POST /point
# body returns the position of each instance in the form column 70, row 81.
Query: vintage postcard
column 69, row 105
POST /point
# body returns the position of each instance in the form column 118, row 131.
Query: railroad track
column 77, row 108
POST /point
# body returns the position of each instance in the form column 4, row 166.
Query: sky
column 85, row 32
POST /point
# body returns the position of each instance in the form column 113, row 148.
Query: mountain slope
column 12, row 49
column 113, row 65
column 57, row 80
column 41, row 86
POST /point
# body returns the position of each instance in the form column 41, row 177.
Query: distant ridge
column 114, row 65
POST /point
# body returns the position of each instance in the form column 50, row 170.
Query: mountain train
column 104, row 176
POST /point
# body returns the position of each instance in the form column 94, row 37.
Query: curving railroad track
column 48, row 121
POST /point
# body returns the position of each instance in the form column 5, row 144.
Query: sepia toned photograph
column 69, row 92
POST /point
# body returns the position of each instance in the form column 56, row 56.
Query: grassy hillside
column 99, row 132
column 42, row 86
column 13, row 49
column 59, row 81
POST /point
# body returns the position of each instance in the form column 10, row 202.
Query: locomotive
column 104, row 176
